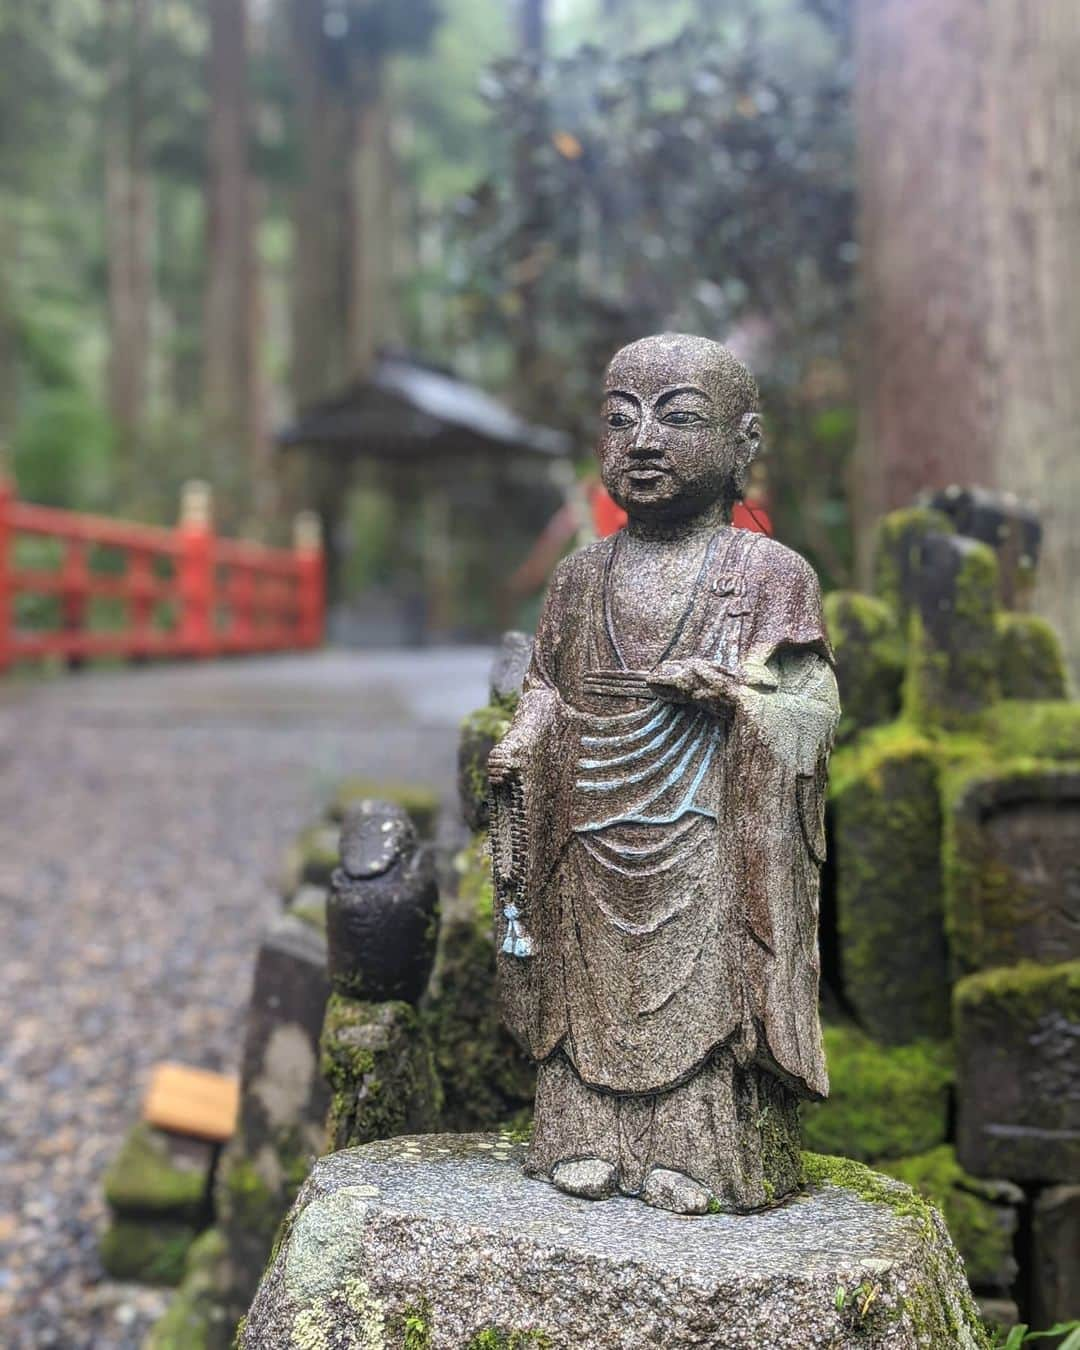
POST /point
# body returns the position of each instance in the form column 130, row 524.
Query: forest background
column 214, row 213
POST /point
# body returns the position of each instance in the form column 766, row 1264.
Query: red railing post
column 74, row 597
column 195, row 570
column 310, row 578
column 140, row 579
column 7, row 497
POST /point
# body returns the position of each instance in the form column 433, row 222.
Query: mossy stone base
column 377, row 1060
column 1018, row 1072
column 884, row 1101
column 198, row 1318
column 898, row 555
column 441, row 1242
column 886, row 818
column 1031, row 664
column 157, row 1175
column 146, row 1251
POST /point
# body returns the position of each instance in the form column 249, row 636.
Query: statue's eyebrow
column 622, row 393
column 669, row 394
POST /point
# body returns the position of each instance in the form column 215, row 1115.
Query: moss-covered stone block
column 898, row 555
column 1012, row 867
column 1018, row 1072
column 479, row 733
column 160, row 1175
column 421, row 803
column 869, row 650
column 1038, row 730
column 886, row 823
column 146, row 1251
column 378, row 1062
column 884, row 1101
column 1031, row 664
column 486, row 1078
column 952, row 670
column 197, row 1318
column 982, row 1216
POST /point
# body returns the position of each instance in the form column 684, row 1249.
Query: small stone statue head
column 680, row 427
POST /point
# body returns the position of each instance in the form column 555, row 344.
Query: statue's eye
column 682, row 418
column 618, row 419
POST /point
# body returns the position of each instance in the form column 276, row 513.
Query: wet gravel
column 143, row 819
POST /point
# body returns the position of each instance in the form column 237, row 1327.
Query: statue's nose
column 645, row 446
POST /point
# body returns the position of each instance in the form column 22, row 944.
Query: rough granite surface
column 443, row 1235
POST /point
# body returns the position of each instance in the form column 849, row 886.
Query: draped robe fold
column 672, row 873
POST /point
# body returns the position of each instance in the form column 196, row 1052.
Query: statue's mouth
column 646, row 476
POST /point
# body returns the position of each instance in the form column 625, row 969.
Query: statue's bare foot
column 681, row 1194
column 591, row 1178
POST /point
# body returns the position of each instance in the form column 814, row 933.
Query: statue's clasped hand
column 699, row 682
column 505, row 760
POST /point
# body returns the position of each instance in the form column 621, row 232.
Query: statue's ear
column 750, row 431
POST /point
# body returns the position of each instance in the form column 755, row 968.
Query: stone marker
column 1018, row 1072
column 658, row 816
column 1055, row 1265
column 1008, row 525
column 380, row 917
column 441, row 1241
column 508, row 669
column 1014, row 867
column 952, row 673
column 869, row 659
column 898, row 555
column 1031, row 664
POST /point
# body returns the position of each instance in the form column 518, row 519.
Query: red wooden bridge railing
column 172, row 593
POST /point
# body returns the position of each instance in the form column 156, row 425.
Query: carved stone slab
column 443, row 1234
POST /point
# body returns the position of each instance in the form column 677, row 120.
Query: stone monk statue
column 658, row 816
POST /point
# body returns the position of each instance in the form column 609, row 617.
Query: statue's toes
column 681, row 1194
column 591, row 1178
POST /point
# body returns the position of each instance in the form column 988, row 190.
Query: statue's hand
column 696, row 681
column 506, row 759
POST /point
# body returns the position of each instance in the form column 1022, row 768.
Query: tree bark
column 968, row 117
column 532, row 211
column 232, row 401
column 128, row 227
column 368, row 253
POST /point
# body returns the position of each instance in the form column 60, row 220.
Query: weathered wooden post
column 7, row 496
column 195, row 569
column 311, row 578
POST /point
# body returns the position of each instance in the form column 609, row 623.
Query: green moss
column 884, row 1101
column 378, row 1062
column 486, row 1079
column 869, row 659
column 897, row 544
column 144, row 1180
column 886, row 818
column 940, row 1308
column 1039, row 730
column 1031, row 664
column 1022, row 991
column 951, row 678
column 494, row 1339
column 421, row 803
column 416, row 1328
column 975, row 1223
column 479, row 733
column 149, row 1251
column 196, row 1318
column 250, row 1202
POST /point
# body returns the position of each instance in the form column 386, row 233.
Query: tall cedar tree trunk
column 128, row 228
column 532, row 211
column 968, row 115
column 232, row 394
column 369, row 184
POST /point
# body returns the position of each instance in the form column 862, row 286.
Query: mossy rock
column 197, row 1318
column 897, row 551
column 146, row 1251
column 378, row 1062
column 1046, row 729
column 479, row 733
column 1031, row 664
column 952, row 658
column 884, row 1101
column 869, row 652
column 160, row 1176
column 981, row 1215
column 885, row 814
column 486, row 1078
column 420, row 802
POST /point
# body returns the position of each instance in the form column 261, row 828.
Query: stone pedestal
column 440, row 1241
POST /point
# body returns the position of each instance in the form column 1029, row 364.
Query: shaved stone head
column 667, row 358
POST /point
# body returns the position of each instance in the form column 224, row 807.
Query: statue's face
column 669, row 445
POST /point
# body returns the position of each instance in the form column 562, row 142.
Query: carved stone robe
column 671, row 886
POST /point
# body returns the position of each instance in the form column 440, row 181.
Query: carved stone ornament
column 657, row 816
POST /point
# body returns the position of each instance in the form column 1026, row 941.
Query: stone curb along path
column 439, row 1241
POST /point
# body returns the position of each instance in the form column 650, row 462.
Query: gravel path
column 143, row 817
